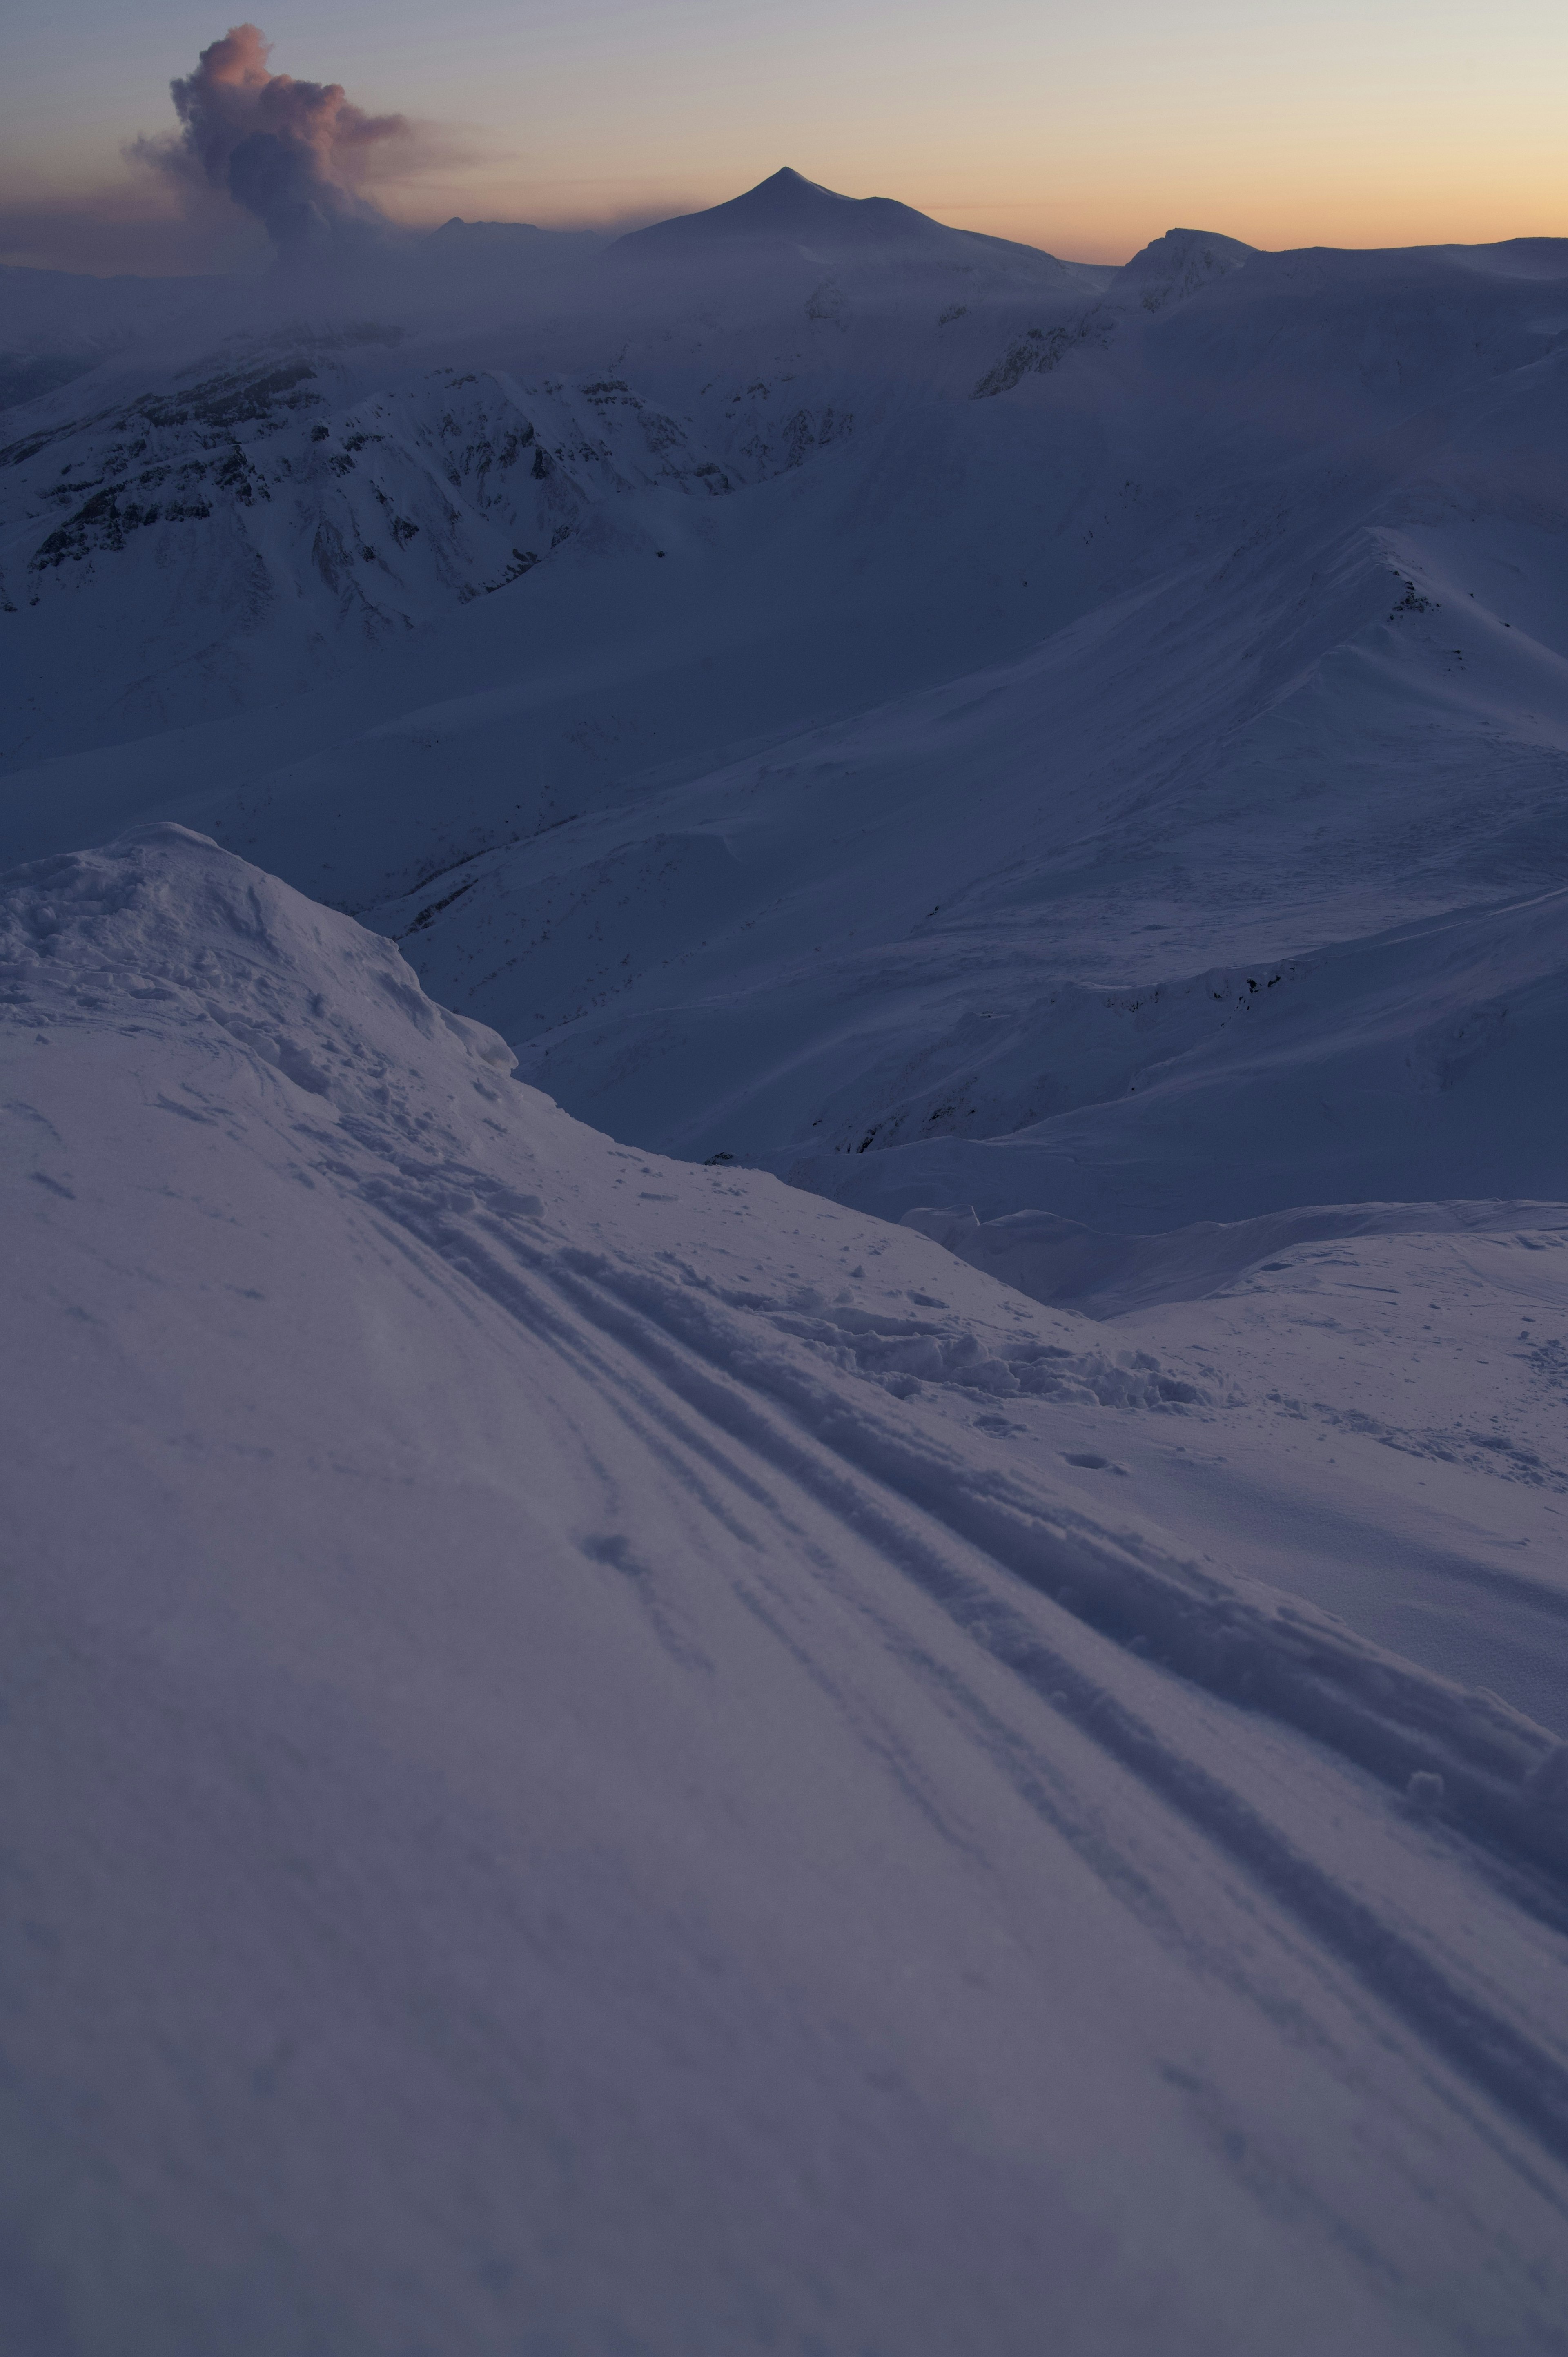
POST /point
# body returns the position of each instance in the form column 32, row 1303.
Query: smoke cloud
column 289, row 152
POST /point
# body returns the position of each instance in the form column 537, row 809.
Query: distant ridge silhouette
column 788, row 210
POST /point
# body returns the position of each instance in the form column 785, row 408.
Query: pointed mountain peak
column 788, row 209
column 795, row 217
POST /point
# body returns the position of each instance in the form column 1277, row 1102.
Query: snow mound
column 166, row 920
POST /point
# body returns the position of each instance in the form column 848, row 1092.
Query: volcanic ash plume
column 288, row 151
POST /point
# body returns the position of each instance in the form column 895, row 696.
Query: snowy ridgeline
column 608, row 1754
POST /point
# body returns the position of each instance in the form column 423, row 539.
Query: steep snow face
column 264, row 512
column 608, row 1754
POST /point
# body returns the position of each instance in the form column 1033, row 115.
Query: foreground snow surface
column 609, row 1756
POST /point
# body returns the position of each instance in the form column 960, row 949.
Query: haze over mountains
column 978, row 1734
column 1220, row 584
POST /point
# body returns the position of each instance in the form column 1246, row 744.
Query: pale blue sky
column 1087, row 129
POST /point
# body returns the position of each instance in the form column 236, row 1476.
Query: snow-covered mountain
column 933, row 727
column 306, row 488
column 788, row 217
column 305, row 503
column 615, row 1754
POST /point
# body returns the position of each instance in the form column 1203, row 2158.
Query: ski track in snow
column 1397, row 1840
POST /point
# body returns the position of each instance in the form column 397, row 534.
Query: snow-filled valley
column 783, row 1015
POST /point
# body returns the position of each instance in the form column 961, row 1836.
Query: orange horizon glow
column 1284, row 122
column 121, row 212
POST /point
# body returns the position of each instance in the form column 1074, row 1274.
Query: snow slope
column 589, row 1772
column 612, row 1754
column 975, row 732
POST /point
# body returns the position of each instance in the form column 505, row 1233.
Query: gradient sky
column 1087, row 128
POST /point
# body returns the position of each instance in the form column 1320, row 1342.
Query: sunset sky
column 1084, row 129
